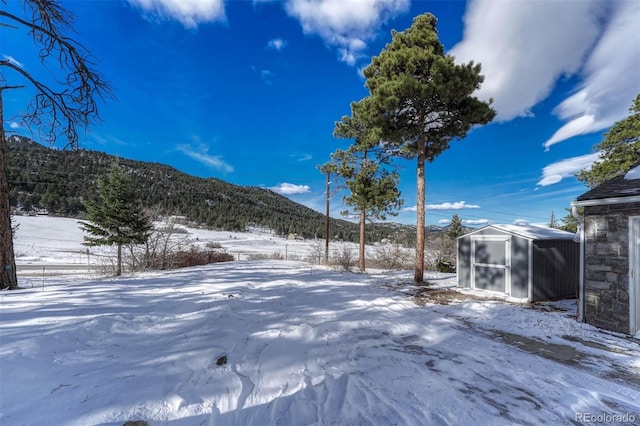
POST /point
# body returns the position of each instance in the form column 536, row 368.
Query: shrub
column 344, row 258
column 195, row 256
column 445, row 266
column 440, row 249
column 213, row 245
column 392, row 257
column 258, row 256
column 276, row 255
column 316, row 253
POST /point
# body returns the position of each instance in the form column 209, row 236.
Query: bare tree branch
column 75, row 103
column 58, row 108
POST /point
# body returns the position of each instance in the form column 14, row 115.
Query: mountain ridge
column 61, row 180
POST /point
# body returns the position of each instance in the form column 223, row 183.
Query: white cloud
column 345, row 24
column 290, row 189
column 202, row 155
column 14, row 125
column 300, row 158
column 525, row 46
column 555, row 172
column 98, row 139
column 267, row 76
column 465, row 221
column 189, row 13
column 13, row 60
column 458, row 205
column 277, row 44
column 476, row 221
column 611, row 78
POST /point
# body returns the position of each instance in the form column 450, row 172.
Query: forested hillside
column 60, row 180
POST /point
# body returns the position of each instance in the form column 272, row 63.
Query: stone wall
column 606, row 275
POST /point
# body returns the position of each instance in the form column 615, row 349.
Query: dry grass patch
column 443, row 296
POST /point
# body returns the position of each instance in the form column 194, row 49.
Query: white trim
column 530, row 272
column 581, row 301
column 458, row 264
column 507, row 273
column 490, row 237
column 491, row 265
column 541, row 232
column 604, row 201
column 484, row 228
column 472, row 264
column 634, row 275
column 507, row 234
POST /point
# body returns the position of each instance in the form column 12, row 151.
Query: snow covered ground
column 304, row 345
column 44, row 240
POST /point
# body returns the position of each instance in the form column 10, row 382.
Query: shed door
column 491, row 263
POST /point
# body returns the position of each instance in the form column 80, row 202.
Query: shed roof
column 626, row 185
column 532, row 232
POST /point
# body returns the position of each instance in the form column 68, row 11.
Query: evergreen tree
column 569, row 222
column 118, row 218
column 373, row 190
column 553, row 222
column 60, row 105
column 455, row 228
column 422, row 101
column 619, row 151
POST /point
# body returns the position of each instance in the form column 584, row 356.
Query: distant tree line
column 62, row 182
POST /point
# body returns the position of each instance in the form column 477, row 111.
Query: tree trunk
column 326, row 223
column 420, row 213
column 362, row 242
column 8, row 277
column 119, row 261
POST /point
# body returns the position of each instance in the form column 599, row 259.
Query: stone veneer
column 606, row 265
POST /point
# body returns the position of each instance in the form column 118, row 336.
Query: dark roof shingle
column 619, row 186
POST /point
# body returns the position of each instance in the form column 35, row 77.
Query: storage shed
column 525, row 262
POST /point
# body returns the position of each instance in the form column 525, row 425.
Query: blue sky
column 249, row 92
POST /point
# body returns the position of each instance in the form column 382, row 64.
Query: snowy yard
column 304, row 346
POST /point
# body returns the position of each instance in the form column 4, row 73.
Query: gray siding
column 556, row 269
column 464, row 262
column 606, row 265
column 519, row 267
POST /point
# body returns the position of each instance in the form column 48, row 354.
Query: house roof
column 532, row 232
column 626, row 185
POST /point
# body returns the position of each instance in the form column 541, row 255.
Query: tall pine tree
column 117, row 218
column 423, row 101
column 373, row 190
